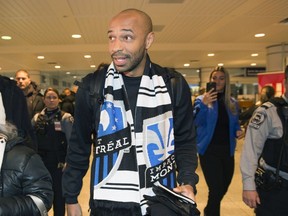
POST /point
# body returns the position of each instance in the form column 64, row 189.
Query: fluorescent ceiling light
column 76, row 36
column 40, row 57
column 92, row 66
column 220, row 64
column 254, row 54
column 186, row 65
column 259, row 35
column 211, row 54
column 6, row 37
column 253, row 64
column 87, row 56
column 57, row 66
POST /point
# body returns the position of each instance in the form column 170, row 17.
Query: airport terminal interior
column 60, row 41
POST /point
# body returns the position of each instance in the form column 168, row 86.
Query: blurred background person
column 267, row 92
column 53, row 129
column 68, row 101
column 26, row 185
column 216, row 119
column 14, row 101
column 31, row 91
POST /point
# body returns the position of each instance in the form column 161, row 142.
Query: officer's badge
column 257, row 119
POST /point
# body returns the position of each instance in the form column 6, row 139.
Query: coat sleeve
column 79, row 147
column 36, row 181
column 265, row 123
column 185, row 135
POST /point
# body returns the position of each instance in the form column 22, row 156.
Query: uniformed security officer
column 265, row 153
column 53, row 129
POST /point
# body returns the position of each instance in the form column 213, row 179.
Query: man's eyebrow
column 122, row 30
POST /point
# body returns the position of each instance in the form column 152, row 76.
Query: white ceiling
column 186, row 31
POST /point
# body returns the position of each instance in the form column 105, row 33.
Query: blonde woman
column 216, row 119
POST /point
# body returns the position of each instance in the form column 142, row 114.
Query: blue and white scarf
column 134, row 153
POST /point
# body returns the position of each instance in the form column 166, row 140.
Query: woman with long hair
column 216, row 119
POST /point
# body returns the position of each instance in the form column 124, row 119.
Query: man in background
column 16, row 110
column 31, row 91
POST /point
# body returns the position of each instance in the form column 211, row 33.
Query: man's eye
column 111, row 38
column 127, row 37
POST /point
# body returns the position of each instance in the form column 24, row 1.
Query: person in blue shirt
column 216, row 120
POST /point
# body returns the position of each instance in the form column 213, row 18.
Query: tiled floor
column 232, row 204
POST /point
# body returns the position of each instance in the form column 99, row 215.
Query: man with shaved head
column 143, row 131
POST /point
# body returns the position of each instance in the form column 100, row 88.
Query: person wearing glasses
column 216, row 120
column 53, row 129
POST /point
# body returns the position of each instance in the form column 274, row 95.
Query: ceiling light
column 92, row 66
column 211, row 54
column 68, row 72
column 220, row 64
column 259, row 35
column 253, row 64
column 57, row 66
column 87, row 56
column 76, row 36
column 40, row 57
column 6, row 37
column 74, row 77
column 254, row 54
column 198, row 71
column 186, row 65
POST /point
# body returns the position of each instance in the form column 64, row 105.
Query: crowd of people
column 133, row 116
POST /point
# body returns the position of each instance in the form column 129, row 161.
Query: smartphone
column 210, row 85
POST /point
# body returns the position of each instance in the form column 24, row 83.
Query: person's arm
column 79, row 148
column 200, row 111
column 35, row 181
column 256, row 135
column 67, row 124
column 185, row 136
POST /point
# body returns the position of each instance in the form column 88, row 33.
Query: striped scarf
column 134, row 153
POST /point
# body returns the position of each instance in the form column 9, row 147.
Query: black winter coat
column 16, row 110
column 23, row 173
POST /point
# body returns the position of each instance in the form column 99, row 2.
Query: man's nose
column 116, row 46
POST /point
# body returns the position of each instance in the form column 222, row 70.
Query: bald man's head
column 145, row 18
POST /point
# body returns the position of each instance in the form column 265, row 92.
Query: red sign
column 274, row 79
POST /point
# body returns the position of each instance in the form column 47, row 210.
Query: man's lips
column 120, row 60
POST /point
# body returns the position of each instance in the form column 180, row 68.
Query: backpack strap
column 94, row 84
column 96, row 94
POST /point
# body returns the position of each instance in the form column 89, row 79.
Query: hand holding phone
column 211, row 85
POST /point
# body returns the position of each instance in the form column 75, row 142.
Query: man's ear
column 149, row 40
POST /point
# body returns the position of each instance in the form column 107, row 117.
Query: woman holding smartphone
column 216, row 119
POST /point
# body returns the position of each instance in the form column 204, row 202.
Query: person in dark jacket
column 26, row 185
column 53, row 129
column 16, row 110
column 145, row 132
column 67, row 101
column 31, row 91
column 267, row 92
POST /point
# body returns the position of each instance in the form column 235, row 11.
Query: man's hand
column 74, row 210
column 251, row 198
column 186, row 190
